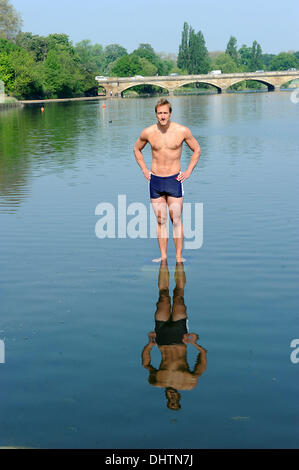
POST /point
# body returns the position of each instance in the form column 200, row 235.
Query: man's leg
column 175, row 205
column 164, row 303
column 179, row 307
column 160, row 209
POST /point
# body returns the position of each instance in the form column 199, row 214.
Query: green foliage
column 193, row 55
column 231, row 49
column 131, row 65
column 284, row 61
column 62, row 76
column 60, row 42
column 256, row 61
column 225, row 63
column 251, row 58
column 112, row 52
column 10, row 20
column 266, row 59
column 33, row 43
column 27, row 79
column 126, row 66
column 161, row 67
column 245, row 56
column 147, row 68
column 6, row 71
column 91, row 58
column 7, row 46
column 183, row 55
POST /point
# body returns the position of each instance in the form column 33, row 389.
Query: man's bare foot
column 159, row 260
column 180, row 259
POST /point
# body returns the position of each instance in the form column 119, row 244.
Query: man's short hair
column 162, row 102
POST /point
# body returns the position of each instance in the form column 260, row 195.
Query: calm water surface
column 76, row 310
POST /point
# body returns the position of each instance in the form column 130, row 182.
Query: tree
column 147, row 52
column 112, row 52
column 284, row 61
column 183, row 55
column 6, row 71
column 231, row 49
column 33, row 43
column 147, row 47
column 91, row 56
column 61, row 75
column 201, row 59
column 245, row 56
column 132, row 64
column 126, row 66
column 10, row 20
column 266, row 59
column 225, row 63
column 147, row 68
column 27, row 75
column 193, row 55
column 60, row 41
column 251, row 58
column 256, row 61
column 7, row 46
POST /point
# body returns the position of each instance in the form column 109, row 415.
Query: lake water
column 76, row 310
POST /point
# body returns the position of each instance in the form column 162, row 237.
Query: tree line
column 35, row 67
column 194, row 58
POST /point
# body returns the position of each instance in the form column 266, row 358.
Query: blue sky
column 274, row 24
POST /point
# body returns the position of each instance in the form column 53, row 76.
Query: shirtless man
column 165, row 176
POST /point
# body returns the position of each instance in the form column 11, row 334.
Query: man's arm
column 146, row 353
column 140, row 144
column 201, row 362
column 194, row 146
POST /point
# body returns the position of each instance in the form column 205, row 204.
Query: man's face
column 163, row 114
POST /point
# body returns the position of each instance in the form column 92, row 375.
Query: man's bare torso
column 174, row 370
column 166, row 148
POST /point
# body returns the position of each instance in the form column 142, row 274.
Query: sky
column 273, row 24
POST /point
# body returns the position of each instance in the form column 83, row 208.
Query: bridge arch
column 132, row 85
column 271, row 86
column 206, row 82
column 102, row 90
column 288, row 81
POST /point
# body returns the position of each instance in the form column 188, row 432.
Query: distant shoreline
column 59, row 100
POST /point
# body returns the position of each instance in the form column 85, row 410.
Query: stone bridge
column 115, row 86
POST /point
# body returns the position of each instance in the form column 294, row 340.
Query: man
column 165, row 176
column 172, row 337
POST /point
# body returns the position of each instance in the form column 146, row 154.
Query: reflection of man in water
column 172, row 337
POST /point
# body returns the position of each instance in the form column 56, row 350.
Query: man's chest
column 168, row 142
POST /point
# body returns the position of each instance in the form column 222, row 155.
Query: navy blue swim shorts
column 170, row 332
column 165, row 186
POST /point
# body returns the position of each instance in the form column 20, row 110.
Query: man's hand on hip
column 147, row 174
column 183, row 176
